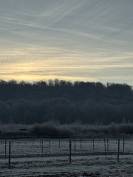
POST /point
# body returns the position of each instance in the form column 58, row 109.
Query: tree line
column 65, row 102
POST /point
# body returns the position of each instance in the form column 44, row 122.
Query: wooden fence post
column 80, row 143
column 49, row 145
column 105, row 148
column 123, row 144
column 5, row 148
column 93, row 144
column 70, row 150
column 42, row 147
column 59, row 143
column 118, row 151
column 9, row 155
column 107, row 144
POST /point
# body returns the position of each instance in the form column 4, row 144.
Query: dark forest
column 65, row 102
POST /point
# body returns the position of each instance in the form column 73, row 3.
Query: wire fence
column 66, row 147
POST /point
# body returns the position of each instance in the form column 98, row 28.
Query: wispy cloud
column 89, row 40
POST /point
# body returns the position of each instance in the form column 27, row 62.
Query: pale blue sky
column 89, row 40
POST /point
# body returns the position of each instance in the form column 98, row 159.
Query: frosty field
column 37, row 157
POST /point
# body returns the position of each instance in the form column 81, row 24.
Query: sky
column 89, row 40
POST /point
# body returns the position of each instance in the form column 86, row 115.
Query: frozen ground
column 106, row 167
column 57, row 164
